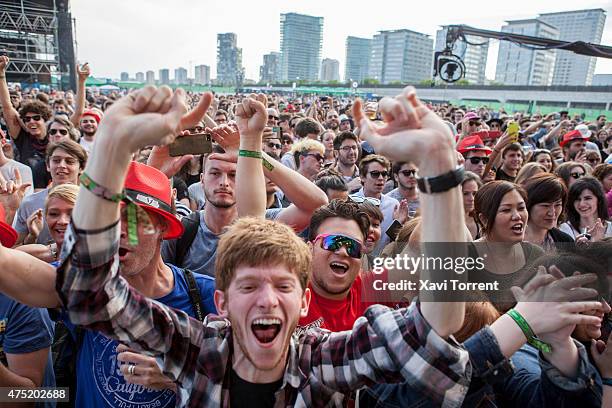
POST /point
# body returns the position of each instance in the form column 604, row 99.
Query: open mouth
column 266, row 330
column 338, row 268
column 123, row 252
column 518, row 228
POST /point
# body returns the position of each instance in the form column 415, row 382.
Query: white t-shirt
column 87, row 145
column 571, row 231
column 8, row 172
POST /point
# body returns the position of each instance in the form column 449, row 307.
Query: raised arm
column 11, row 116
column 26, row 279
column 83, row 72
column 414, row 133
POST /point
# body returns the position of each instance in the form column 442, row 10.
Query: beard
column 219, row 203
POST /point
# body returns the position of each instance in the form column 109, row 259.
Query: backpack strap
column 194, row 295
column 191, row 223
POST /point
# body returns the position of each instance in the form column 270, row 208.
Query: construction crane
column 450, row 67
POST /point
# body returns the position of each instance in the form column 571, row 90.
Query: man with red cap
column 146, row 221
column 476, row 154
column 573, row 143
column 88, row 126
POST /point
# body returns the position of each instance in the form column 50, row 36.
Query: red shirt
column 340, row 315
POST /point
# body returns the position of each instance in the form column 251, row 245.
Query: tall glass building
column 579, row 25
column 358, row 52
column 229, row 59
column 301, row 40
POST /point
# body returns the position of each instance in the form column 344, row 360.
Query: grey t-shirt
column 28, row 206
column 8, row 172
column 200, row 257
column 196, row 193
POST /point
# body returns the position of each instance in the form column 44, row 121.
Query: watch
column 444, row 182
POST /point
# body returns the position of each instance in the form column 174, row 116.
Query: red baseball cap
column 472, row 143
column 150, row 189
column 8, row 236
column 571, row 136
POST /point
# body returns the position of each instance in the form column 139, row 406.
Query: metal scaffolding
column 30, row 33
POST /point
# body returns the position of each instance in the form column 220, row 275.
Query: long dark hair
column 594, row 186
column 487, row 200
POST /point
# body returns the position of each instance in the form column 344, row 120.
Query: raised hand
column 35, row 223
column 251, row 118
column 411, row 133
column 151, row 116
column 4, row 60
column 602, row 356
column 83, row 72
column 12, row 193
column 400, row 213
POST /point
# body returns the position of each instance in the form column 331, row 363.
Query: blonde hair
column 66, row 192
column 257, row 242
column 305, row 145
column 528, row 171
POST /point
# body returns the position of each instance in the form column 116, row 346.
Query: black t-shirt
column 502, row 175
column 31, row 150
column 249, row 395
column 41, row 176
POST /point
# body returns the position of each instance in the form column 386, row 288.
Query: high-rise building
column 140, row 77
column 579, row 25
column 229, row 60
column 164, row 76
column 180, row 76
column 300, row 45
column 330, row 70
column 358, row 52
column 202, row 74
column 602, row 80
column 270, row 70
column 401, row 55
column 525, row 66
column 125, row 76
column 474, row 56
column 150, row 78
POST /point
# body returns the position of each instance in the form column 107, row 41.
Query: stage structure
column 37, row 36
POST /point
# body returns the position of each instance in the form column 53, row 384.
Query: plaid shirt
column 385, row 346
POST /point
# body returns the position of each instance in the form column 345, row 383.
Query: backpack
column 65, row 348
column 191, row 223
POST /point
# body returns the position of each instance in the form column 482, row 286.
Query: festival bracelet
column 250, row 153
column 105, row 194
column 528, row 332
column 100, row 191
column 267, row 164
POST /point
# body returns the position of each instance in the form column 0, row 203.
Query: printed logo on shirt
column 112, row 386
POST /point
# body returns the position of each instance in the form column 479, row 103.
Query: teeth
column 339, row 265
column 267, row 322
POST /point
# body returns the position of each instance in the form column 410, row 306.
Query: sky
column 140, row 35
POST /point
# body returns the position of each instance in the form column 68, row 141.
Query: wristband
column 267, row 164
column 250, row 153
column 528, row 332
column 606, row 381
column 442, row 183
column 105, row 194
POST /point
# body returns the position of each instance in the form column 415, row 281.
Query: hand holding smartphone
column 199, row 143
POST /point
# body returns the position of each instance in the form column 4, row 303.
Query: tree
column 370, row 81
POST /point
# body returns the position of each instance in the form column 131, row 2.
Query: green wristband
column 528, row 332
column 250, row 153
column 267, row 164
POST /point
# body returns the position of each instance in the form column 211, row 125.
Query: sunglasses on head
column 275, row 145
column 408, row 173
column 26, row 119
column 577, row 175
column 377, row 174
column 62, row 132
column 333, row 242
column 476, row 160
column 359, row 200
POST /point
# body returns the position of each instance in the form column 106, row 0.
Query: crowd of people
column 246, row 276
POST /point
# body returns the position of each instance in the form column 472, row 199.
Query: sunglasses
column 577, row 175
column 287, row 142
column 54, row 132
column 476, row 160
column 275, row 146
column 272, row 117
column 473, row 123
column 377, row 174
column 26, row 119
column 408, row 173
column 359, row 200
column 317, row 156
column 333, row 242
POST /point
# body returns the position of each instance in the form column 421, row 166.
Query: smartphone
column 513, row 131
column 277, row 130
column 198, row 143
